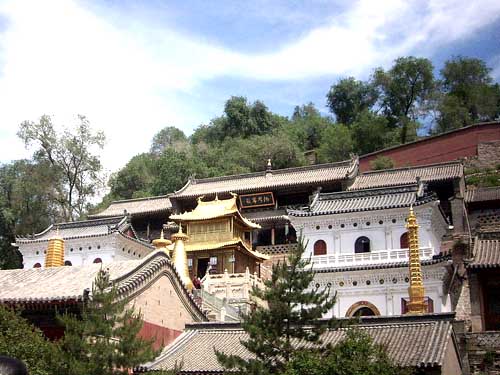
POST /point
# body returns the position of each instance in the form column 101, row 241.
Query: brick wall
column 483, row 350
column 164, row 314
column 458, row 144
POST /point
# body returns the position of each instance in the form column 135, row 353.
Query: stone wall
column 483, row 351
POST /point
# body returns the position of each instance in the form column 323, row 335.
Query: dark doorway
column 491, row 300
column 364, row 311
column 202, row 267
column 362, row 245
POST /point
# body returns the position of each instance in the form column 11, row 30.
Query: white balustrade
column 231, row 285
column 373, row 257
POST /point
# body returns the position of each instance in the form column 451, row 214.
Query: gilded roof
column 482, row 194
column 365, row 200
column 418, row 343
column 262, row 181
column 207, row 210
column 38, row 285
column 80, row 229
column 408, row 175
column 486, row 253
column 139, row 206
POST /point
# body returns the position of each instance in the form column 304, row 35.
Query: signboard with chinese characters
column 257, row 200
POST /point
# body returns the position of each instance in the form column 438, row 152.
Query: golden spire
column 55, row 251
column 179, row 257
column 417, row 304
column 162, row 243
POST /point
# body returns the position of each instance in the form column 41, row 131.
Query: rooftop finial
column 269, row 165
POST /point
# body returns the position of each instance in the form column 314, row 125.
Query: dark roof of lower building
column 486, row 253
column 418, row 341
column 69, row 284
column 80, row 229
column 137, row 207
column 365, row 200
column 269, row 180
column 408, row 175
column 267, row 216
column 482, row 194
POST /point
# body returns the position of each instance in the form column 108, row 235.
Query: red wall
column 163, row 336
column 447, row 147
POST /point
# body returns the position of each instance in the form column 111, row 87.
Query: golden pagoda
column 55, row 251
column 179, row 258
column 162, row 244
column 219, row 238
column 417, row 304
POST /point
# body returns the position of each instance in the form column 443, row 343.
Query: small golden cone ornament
column 179, row 257
column 162, row 243
column 417, row 304
column 55, row 251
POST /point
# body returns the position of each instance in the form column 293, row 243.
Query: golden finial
column 55, row 251
column 416, row 291
column 179, row 257
column 162, row 243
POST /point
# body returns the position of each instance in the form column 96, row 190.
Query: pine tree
column 104, row 341
column 276, row 331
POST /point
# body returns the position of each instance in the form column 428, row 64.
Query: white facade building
column 86, row 242
column 358, row 245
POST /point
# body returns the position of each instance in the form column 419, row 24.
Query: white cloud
column 62, row 59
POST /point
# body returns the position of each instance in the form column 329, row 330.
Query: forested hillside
column 393, row 106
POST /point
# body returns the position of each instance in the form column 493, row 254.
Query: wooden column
column 272, row 236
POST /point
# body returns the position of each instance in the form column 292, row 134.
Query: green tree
column 371, row 132
column 103, row 341
column 356, row 354
column 404, row 91
column 168, row 137
column 471, row 95
column 19, row 339
column 74, row 167
column 135, row 180
column 307, row 127
column 349, row 97
column 337, row 144
column 291, row 304
column 382, row 162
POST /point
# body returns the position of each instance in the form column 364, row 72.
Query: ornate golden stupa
column 162, row 243
column 179, row 257
column 417, row 304
column 55, row 251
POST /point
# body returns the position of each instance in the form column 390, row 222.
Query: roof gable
column 138, row 206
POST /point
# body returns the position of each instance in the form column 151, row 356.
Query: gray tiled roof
column 486, row 253
column 39, row 285
column 482, row 194
column 267, row 216
column 418, row 343
column 365, row 200
column 403, row 176
column 262, row 181
column 79, row 229
column 139, row 206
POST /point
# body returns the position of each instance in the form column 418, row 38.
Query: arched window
column 97, row 260
column 403, row 241
column 319, row 248
column 37, row 265
column 68, row 263
column 362, row 308
column 362, row 245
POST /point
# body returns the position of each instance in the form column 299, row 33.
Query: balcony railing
column 374, row 257
column 231, row 285
column 276, row 249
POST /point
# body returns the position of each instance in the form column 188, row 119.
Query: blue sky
column 133, row 67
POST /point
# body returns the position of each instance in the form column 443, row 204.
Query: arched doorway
column 362, row 245
column 362, row 308
column 319, row 248
column 403, row 241
column 97, row 260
